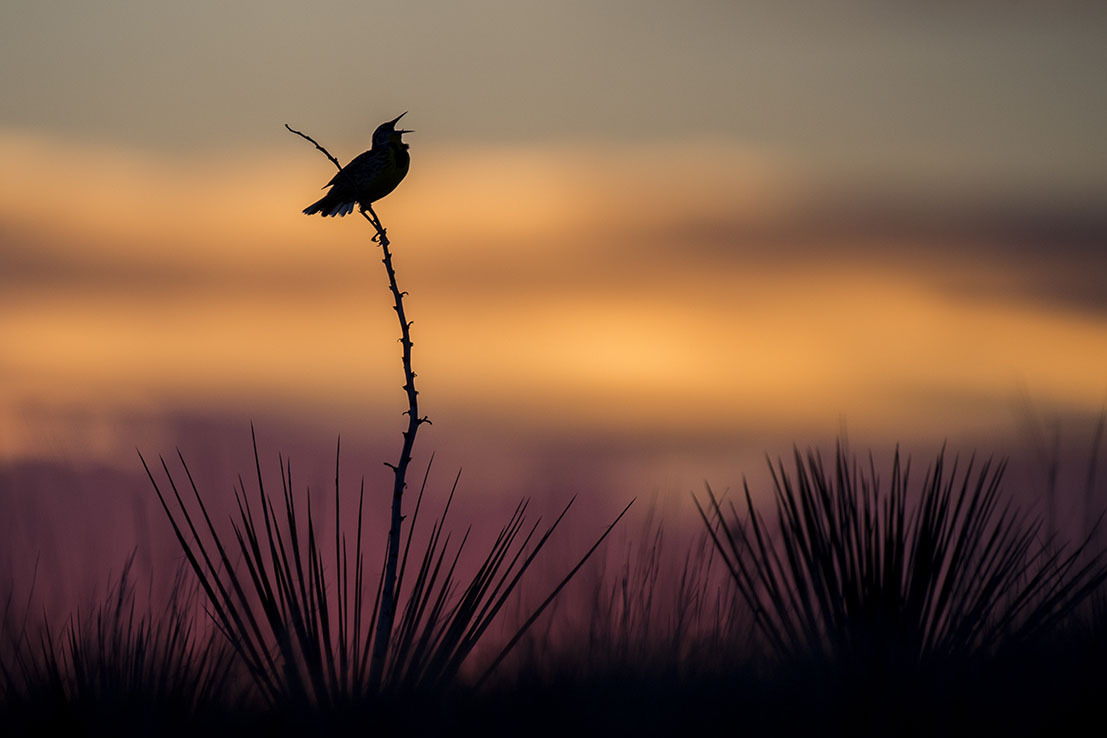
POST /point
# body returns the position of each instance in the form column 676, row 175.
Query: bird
column 369, row 176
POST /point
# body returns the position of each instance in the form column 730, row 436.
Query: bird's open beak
column 396, row 120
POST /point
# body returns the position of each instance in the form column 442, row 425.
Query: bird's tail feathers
column 331, row 206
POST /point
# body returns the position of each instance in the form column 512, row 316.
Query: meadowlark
column 369, row 176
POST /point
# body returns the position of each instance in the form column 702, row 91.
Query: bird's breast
column 401, row 159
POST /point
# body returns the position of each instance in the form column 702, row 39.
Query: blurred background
column 646, row 243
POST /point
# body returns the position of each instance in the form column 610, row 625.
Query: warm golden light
column 543, row 300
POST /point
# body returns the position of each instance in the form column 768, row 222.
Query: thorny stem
column 388, row 592
column 387, row 614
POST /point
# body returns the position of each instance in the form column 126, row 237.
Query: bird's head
column 387, row 132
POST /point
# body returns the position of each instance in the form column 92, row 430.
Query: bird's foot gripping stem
column 369, row 215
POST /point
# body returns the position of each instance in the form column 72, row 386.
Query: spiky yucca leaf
column 302, row 623
column 118, row 665
column 859, row 574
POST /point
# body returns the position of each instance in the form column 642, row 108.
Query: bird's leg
column 372, row 221
column 372, row 218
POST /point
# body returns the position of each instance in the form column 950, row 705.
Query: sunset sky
column 645, row 242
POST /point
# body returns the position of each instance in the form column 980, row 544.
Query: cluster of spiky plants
column 300, row 617
column 117, row 664
column 861, row 574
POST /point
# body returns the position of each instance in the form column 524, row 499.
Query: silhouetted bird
column 369, row 176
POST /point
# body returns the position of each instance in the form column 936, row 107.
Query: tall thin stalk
column 303, row 629
column 387, row 613
column 399, row 469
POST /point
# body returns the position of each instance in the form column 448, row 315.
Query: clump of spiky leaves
column 117, row 666
column 862, row 576
column 307, row 635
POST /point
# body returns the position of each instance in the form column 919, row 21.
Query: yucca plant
column 293, row 598
column 863, row 575
column 300, row 617
column 118, row 665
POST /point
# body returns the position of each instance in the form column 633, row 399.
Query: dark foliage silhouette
column 299, row 617
column 862, row 576
column 116, row 666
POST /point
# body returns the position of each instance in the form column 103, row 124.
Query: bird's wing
column 361, row 167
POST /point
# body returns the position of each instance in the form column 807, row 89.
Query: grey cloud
column 1055, row 253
